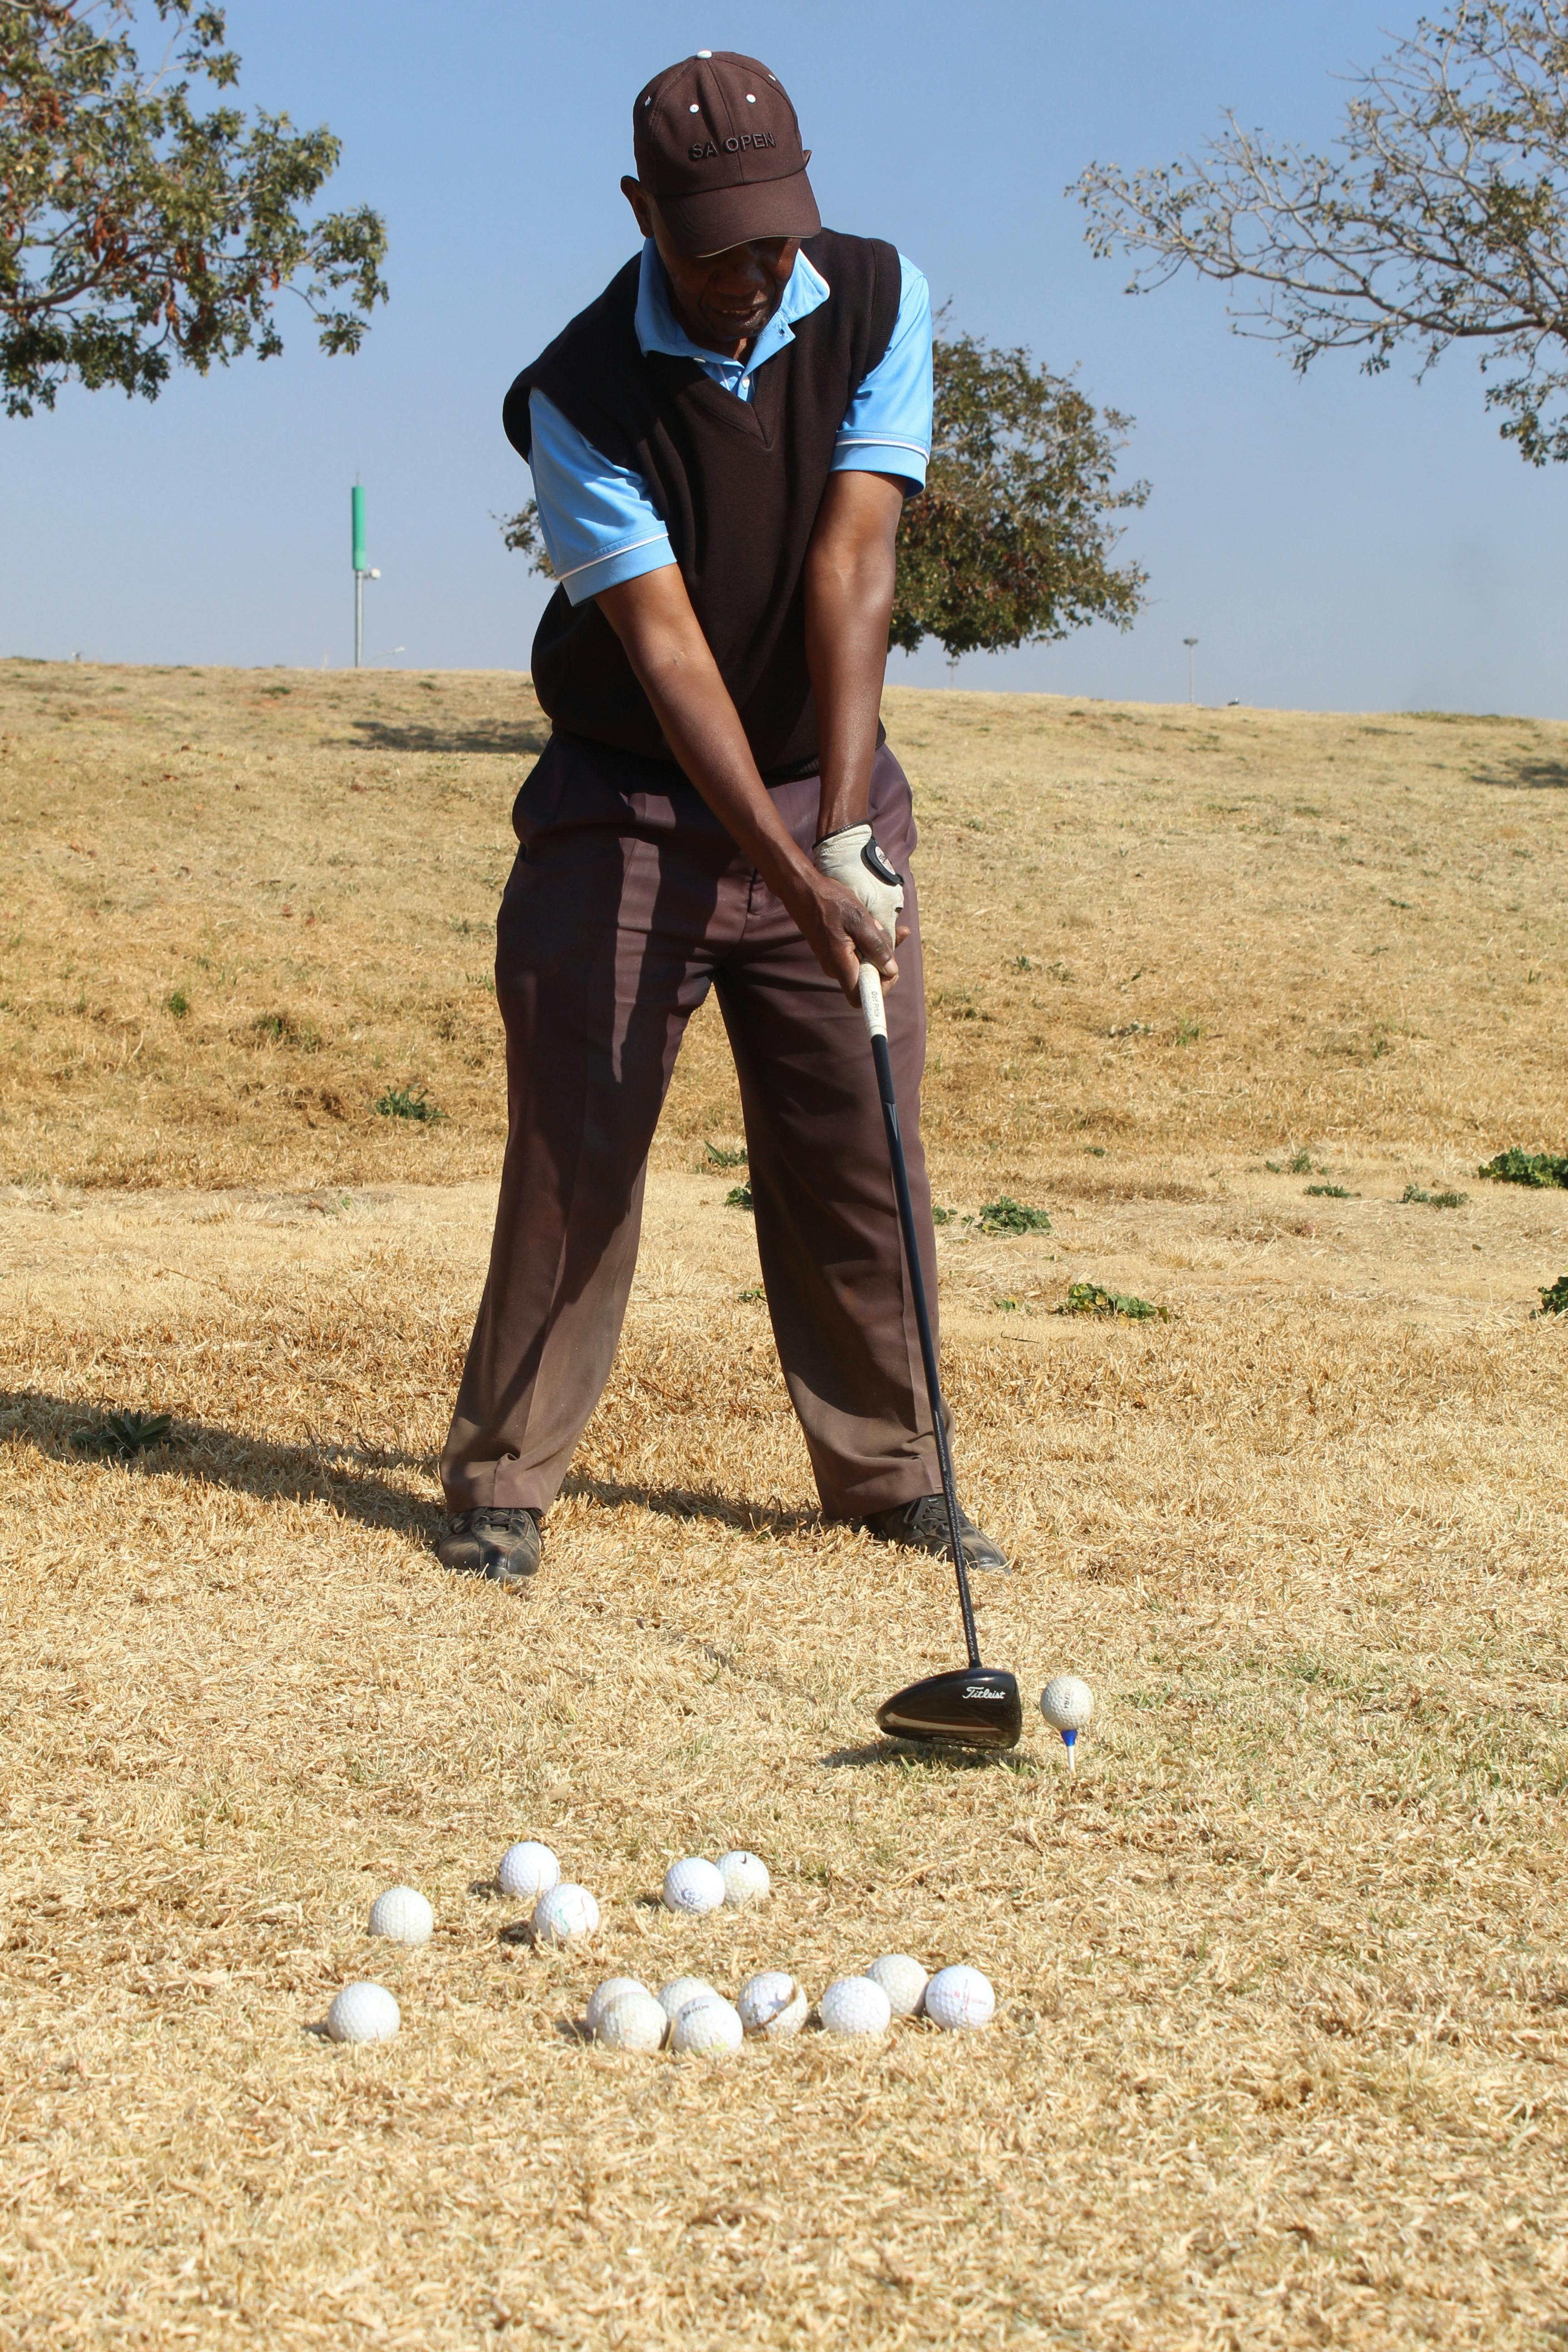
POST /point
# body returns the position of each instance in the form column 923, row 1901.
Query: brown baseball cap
column 718, row 145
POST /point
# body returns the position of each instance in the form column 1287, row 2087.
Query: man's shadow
column 353, row 1479
column 69, row 1430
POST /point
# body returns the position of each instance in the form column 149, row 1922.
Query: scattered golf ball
column 611, row 1990
column 564, row 1914
column 692, row 1886
column 1067, row 1705
column 633, row 2020
column 855, row 2008
column 772, row 2004
column 528, row 1871
column 959, row 1997
column 674, row 1996
column 708, row 2027
column 364, row 2013
column 745, row 1877
column 402, row 1916
column 903, row 1979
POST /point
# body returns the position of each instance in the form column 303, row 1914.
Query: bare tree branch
column 1441, row 217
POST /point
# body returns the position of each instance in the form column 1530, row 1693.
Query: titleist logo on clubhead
column 984, row 1690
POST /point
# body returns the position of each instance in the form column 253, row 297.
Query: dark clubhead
column 973, row 1706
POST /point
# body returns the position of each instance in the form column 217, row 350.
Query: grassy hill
column 1280, row 2037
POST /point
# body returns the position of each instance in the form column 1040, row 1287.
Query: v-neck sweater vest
column 738, row 483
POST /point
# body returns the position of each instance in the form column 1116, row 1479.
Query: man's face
column 722, row 300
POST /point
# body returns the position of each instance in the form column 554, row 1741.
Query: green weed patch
column 720, row 1157
column 1554, row 1297
column 1088, row 1299
column 408, row 1102
column 739, row 1196
column 1005, row 1215
column 1416, row 1196
column 121, row 1437
column 1543, row 1170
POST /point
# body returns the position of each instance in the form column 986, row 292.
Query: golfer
column 722, row 445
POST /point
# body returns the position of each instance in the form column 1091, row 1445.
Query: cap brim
column 719, row 217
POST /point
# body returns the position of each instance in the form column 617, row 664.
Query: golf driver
column 978, row 1707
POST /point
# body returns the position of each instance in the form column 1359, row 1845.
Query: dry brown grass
column 1280, row 2055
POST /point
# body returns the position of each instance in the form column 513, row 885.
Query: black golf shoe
column 502, row 1545
column 922, row 1526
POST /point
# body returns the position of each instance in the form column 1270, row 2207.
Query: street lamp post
column 363, row 571
column 1190, row 643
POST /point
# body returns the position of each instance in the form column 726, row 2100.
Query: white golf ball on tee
column 674, row 1996
column 564, row 1914
column 708, row 2027
column 772, row 2004
column 903, row 1979
column 855, row 2008
column 528, row 1871
column 611, row 1990
column 693, row 1886
column 959, row 1997
column 633, row 2020
column 364, row 2013
column 745, row 1877
column 402, row 1916
column 1066, row 1703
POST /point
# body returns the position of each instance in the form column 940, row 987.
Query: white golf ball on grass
column 745, row 1877
column 692, row 1888
column 854, row 2009
column 611, row 1990
column 527, row 1871
column 960, row 1998
column 708, row 2027
column 674, row 1996
column 364, row 2013
column 565, row 1914
column 402, row 1916
column 633, row 2020
column 903, row 1979
column 773, row 2005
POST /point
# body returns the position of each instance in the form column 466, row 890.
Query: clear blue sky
column 1334, row 544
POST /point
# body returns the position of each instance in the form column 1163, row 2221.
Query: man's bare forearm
column 850, row 571
column 654, row 619
column 665, row 644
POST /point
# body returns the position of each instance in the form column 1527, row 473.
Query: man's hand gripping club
column 846, row 906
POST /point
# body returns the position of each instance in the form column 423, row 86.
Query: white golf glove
column 852, row 857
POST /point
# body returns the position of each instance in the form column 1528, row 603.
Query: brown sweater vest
column 738, row 484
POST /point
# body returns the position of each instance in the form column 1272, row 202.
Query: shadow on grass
column 930, row 1756
column 1527, row 776
column 67, row 1430
column 485, row 736
column 697, row 1503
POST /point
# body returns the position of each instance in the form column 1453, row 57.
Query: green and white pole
column 363, row 571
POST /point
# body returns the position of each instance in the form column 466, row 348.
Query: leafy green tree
column 137, row 232
column 1011, row 542
column 1442, row 217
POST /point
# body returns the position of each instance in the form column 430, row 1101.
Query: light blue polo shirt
column 599, row 521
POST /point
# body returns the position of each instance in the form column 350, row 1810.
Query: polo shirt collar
column 658, row 329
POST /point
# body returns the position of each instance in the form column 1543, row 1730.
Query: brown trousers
column 627, row 901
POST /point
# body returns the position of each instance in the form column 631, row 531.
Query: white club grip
column 871, row 1004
